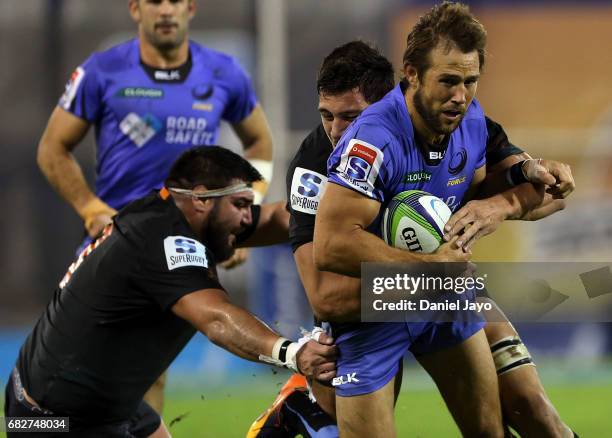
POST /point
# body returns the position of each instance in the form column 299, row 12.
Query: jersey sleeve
column 305, row 187
column 363, row 161
column 243, row 98
column 83, row 94
column 498, row 144
column 175, row 266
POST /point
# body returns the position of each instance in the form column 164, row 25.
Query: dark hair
column 356, row 64
column 212, row 166
column 449, row 21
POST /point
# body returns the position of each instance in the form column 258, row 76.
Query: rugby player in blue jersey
column 149, row 99
column 432, row 111
column 352, row 77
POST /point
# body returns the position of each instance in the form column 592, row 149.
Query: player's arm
column 270, row 227
column 256, row 138
column 241, row 333
column 332, row 297
column 63, row 133
column 480, row 217
column 341, row 241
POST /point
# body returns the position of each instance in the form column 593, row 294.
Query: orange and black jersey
column 109, row 331
column 307, row 176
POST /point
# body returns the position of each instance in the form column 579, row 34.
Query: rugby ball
column 414, row 220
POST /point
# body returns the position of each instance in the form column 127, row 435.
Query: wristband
column 515, row 174
column 284, row 354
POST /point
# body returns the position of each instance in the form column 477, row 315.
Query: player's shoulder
column 381, row 121
column 208, row 57
column 114, row 59
column 475, row 111
column 314, row 151
column 150, row 219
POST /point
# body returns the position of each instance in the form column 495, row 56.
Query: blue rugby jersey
column 378, row 154
column 145, row 118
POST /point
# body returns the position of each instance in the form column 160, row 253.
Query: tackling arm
column 241, row 333
column 63, row 133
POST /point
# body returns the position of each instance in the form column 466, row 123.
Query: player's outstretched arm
column 256, row 138
column 241, row 333
column 63, row 133
column 341, row 241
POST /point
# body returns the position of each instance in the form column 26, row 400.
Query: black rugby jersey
column 109, row 332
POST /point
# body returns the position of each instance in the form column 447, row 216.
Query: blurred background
column 547, row 81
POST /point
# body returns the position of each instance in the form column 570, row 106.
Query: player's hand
column 97, row 223
column 239, row 257
column 451, row 252
column 554, row 174
column 474, row 220
column 96, row 214
column 317, row 359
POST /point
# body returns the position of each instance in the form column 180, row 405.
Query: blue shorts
column 370, row 353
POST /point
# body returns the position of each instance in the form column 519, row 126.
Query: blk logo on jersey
column 360, row 164
column 307, row 187
column 182, row 251
column 347, row 378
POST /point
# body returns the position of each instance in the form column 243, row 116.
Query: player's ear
column 134, row 8
column 411, row 75
column 192, row 8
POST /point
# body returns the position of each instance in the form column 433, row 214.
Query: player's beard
column 431, row 117
column 165, row 43
column 217, row 237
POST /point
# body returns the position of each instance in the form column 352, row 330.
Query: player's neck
column 165, row 59
column 419, row 124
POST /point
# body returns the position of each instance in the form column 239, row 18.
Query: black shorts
column 143, row 423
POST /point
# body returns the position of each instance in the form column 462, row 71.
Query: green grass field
column 194, row 411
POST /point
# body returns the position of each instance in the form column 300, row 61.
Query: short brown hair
column 449, row 21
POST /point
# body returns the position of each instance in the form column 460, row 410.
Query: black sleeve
column 255, row 215
column 306, row 178
column 174, row 266
column 498, row 145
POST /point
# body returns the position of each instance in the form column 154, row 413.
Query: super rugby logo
column 182, row 251
column 307, row 187
column 360, row 164
column 72, row 87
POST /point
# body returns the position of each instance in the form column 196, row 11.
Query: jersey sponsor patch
column 139, row 129
column 183, row 251
column 307, row 188
column 360, row 164
column 72, row 87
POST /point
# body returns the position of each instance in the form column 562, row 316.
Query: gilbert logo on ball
column 414, row 220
